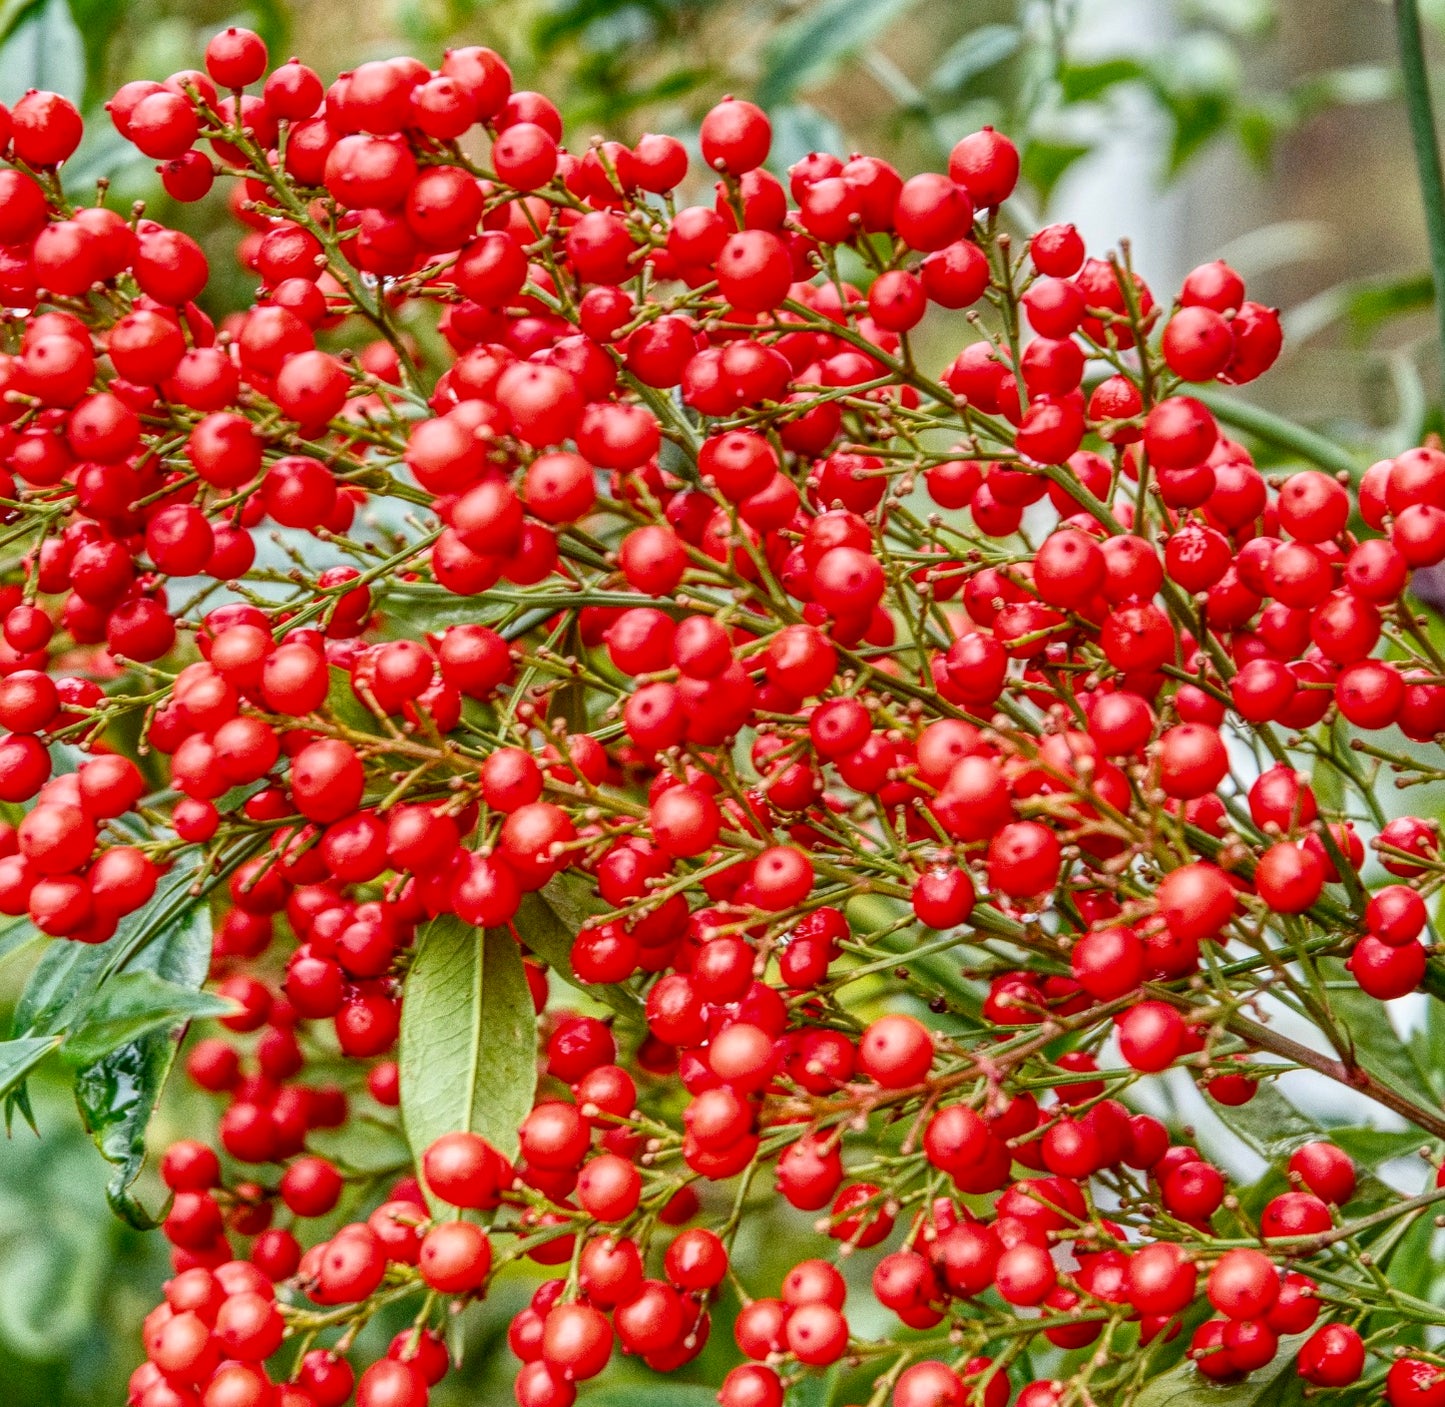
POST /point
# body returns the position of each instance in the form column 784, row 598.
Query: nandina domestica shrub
column 684, row 744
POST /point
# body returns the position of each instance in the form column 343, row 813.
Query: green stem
column 1276, row 430
column 1420, row 111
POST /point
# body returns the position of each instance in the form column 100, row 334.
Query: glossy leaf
column 468, row 1037
column 1375, row 1146
column 117, row 1094
column 1269, row 1123
column 131, row 1006
column 423, row 609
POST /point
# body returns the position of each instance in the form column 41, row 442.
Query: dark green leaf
column 1271, row 1125
column 98, row 22
column 171, row 942
column 19, row 1057
column 1278, row 1385
column 468, row 1038
column 416, row 608
column 549, row 921
column 43, row 50
column 812, row 46
column 1258, row 125
column 1377, row 1046
column 132, row 1005
column 1428, row 1041
column 344, row 706
column 1410, row 1267
column 1371, row 304
column 977, row 52
column 570, row 19
column 66, row 976
column 1375, row 1146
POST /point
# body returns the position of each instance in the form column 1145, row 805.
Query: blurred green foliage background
column 1266, row 131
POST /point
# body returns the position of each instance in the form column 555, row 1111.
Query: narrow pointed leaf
column 19, row 1057
column 133, row 1005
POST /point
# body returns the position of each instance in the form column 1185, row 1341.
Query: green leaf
column 19, row 1057
column 1198, row 119
column 1428, row 1042
column 344, row 706
column 468, row 1038
column 1410, row 1268
column 799, row 128
column 1378, row 1047
column 812, row 47
column 98, row 22
column 816, row 1389
column 1278, row 1385
column 18, row 935
column 651, row 1395
column 132, row 1005
column 1369, row 305
column 1375, row 1146
column 66, row 975
column 43, row 50
column 1086, row 83
column 1044, row 163
column 417, row 608
column 1259, row 124
column 977, row 52
column 548, row 922
column 117, row 1094
column 1269, row 1123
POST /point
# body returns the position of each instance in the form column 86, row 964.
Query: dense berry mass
column 566, row 590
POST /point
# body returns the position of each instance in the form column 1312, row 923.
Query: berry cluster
column 930, row 756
